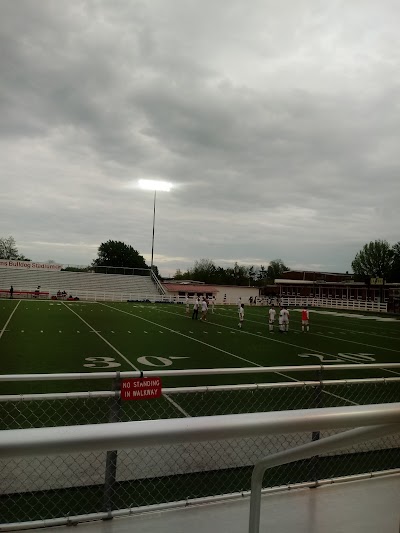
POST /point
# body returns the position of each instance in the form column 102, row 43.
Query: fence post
column 316, row 435
column 112, row 455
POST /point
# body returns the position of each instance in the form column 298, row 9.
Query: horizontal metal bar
column 326, row 445
column 194, row 372
column 181, row 504
column 71, row 439
column 86, row 395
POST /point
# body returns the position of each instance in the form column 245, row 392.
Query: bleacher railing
column 62, row 444
column 126, row 479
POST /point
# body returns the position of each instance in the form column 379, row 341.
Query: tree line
column 207, row 271
column 376, row 259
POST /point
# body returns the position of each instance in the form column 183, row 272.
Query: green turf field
column 54, row 337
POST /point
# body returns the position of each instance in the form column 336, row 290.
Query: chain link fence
column 48, row 487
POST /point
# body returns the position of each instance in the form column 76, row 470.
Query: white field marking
column 354, row 331
column 59, row 331
column 286, row 343
column 112, row 331
column 348, row 317
column 340, row 397
column 9, row 318
column 145, row 331
column 215, row 347
column 103, row 339
column 161, row 332
column 356, row 342
column 41, row 331
column 127, row 360
column 354, row 316
column 186, row 336
column 129, row 332
column 335, row 338
column 22, row 331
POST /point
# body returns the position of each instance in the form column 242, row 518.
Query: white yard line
column 220, row 349
column 124, row 358
column 9, row 318
column 310, row 349
column 356, row 342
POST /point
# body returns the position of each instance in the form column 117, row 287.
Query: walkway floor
column 370, row 506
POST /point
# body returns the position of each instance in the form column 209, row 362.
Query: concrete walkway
column 368, row 506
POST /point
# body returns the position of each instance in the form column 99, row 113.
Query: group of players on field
column 283, row 318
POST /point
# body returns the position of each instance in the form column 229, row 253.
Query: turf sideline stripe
column 332, row 327
column 125, row 359
column 220, row 349
column 9, row 318
column 309, row 349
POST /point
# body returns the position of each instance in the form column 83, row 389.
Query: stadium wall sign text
column 28, row 265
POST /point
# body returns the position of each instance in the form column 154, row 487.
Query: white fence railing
column 162, row 296
column 335, row 303
column 375, row 420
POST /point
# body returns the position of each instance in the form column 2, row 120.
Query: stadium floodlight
column 154, row 185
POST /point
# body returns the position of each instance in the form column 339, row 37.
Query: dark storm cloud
column 278, row 124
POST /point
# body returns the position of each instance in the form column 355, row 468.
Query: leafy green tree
column 374, row 259
column 118, row 254
column 9, row 250
column 395, row 273
column 275, row 270
column 204, row 270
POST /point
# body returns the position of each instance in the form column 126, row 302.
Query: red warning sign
column 141, row 388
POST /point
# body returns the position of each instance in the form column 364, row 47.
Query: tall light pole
column 154, row 185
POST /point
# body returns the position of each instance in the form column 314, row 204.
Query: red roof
column 188, row 287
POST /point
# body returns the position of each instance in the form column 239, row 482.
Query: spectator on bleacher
column 11, row 292
column 58, row 294
column 37, row 291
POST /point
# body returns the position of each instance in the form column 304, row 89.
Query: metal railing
column 94, row 482
column 311, row 449
column 66, row 442
column 157, row 283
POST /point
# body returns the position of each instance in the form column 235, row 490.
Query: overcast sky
column 278, row 123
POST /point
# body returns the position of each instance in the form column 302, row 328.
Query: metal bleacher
column 85, row 285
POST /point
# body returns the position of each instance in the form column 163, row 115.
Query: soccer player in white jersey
column 284, row 320
column 272, row 314
column 212, row 303
column 204, row 309
column 241, row 315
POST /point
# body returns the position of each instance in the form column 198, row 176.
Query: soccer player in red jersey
column 305, row 317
